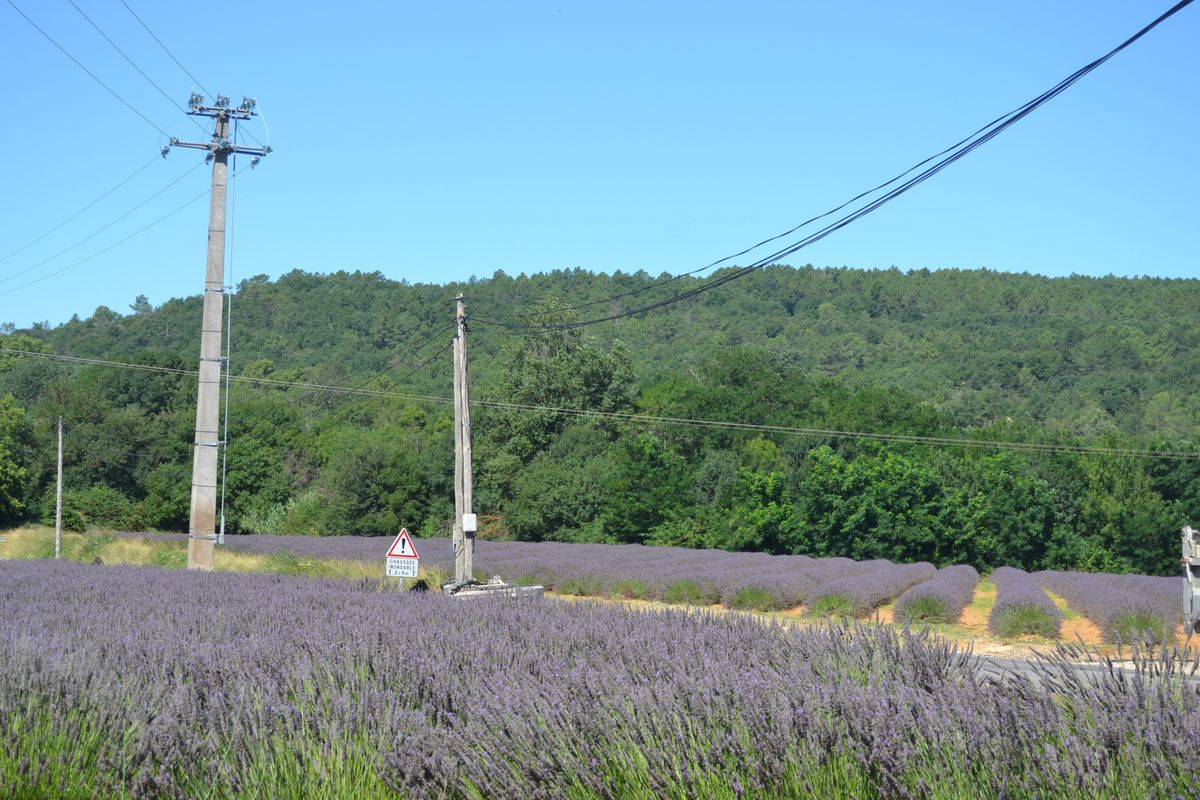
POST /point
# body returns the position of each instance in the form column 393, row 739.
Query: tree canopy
column 971, row 355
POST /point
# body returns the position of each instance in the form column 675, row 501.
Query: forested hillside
column 1101, row 363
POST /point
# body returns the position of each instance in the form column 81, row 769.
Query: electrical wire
column 102, row 229
column 358, row 389
column 938, row 441
column 947, row 157
column 92, row 75
column 139, row 231
column 25, row 247
column 121, row 52
column 164, row 47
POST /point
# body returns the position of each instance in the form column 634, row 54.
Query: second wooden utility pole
column 464, row 519
column 202, row 529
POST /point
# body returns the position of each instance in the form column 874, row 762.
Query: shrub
column 753, row 598
column 630, row 588
column 942, row 598
column 302, row 515
column 98, row 505
column 1139, row 625
column 582, row 586
column 926, row 608
column 831, row 604
column 1021, row 606
column 691, row 593
column 1024, row 620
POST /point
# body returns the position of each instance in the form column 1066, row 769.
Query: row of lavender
column 1021, row 606
column 756, row 580
column 1124, row 606
column 732, row 579
column 113, row 685
column 942, row 598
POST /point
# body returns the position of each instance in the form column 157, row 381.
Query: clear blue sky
column 435, row 141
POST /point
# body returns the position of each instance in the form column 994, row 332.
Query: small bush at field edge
column 689, row 592
column 1024, row 621
column 582, row 586
column 926, row 608
column 629, row 588
column 753, row 598
column 1140, row 626
column 831, row 605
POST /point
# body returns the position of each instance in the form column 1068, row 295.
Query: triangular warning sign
column 402, row 546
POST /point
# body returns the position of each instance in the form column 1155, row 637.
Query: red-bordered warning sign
column 402, row 546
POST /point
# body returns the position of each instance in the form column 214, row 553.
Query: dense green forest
column 1107, row 363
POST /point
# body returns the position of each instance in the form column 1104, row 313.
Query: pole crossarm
column 222, row 146
column 203, row 534
column 222, row 112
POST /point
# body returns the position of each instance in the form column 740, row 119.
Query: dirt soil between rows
column 971, row 630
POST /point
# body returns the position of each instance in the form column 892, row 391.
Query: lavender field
column 942, row 598
column 141, row 682
column 1126, row 608
column 1021, row 606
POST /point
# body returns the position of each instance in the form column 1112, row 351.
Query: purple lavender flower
column 1022, row 608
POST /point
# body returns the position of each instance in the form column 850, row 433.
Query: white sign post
column 402, row 558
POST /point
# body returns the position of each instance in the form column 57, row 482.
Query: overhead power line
column 199, row 85
column 935, row 441
column 129, row 60
column 942, row 160
column 117, row 243
column 92, row 75
column 358, row 389
column 133, row 175
column 103, row 228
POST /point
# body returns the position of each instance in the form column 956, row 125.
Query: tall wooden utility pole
column 202, row 528
column 464, row 519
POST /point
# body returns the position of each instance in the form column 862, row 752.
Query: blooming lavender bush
column 121, row 681
column 1126, row 607
column 1021, row 606
column 619, row 570
column 857, row 595
column 942, row 598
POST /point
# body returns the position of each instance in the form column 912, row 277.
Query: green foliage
column 1021, row 620
column 761, row 516
column 1141, row 626
column 883, row 505
column 562, row 491
column 167, row 502
column 645, row 487
column 963, row 355
column 690, row 593
column 629, row 588
column 581, row 586
column 927, row 608
column 753, row 598
column 13, row 474
column 302, row 515
column 831, row 605
column 96, row 506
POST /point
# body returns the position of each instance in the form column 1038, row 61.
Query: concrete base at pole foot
column 493, row 588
